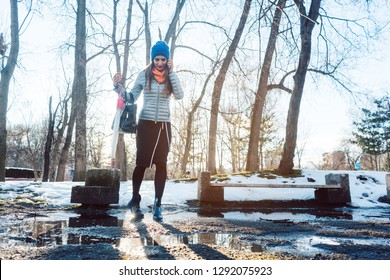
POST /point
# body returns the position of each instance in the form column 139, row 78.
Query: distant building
column 336, row 160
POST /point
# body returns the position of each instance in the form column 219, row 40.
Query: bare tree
column 26, row 145
column 35, row 146
column 79, row 93
column 121, row 156
column 218, row 85
column 190, row 119
column 49, row 142
column 300, row 148
column 233, row 137
column 6, row 75
column 95, row 147
column 148, row 36
column 252, row 163
column 61, row 126
column 65, row 149
column 307, row 23
column 171, row 32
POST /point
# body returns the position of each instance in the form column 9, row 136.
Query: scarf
column 159, row 75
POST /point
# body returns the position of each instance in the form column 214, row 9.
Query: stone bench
column 335, row 191
column 101, row 188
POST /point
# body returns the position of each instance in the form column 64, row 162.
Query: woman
column 158, row 82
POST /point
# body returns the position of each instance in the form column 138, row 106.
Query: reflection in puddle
column 374, row 214
column 76, row 239
column 76, row 230
column 137, row 246
column 108, row 229
column 91, row 221
column 275, row 214
column 230, row 241
column 37, row 233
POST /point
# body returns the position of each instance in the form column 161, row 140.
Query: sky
column 326, row 115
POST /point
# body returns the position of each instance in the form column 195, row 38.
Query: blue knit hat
column 160, row 48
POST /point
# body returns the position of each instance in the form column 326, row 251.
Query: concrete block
column 101, row 188
column 207, row 194
column 103, row 177
column 335, row 196
column 94, row 195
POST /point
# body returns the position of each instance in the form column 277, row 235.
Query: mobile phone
column 167, row 66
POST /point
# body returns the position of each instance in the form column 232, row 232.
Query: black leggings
column 159, row 180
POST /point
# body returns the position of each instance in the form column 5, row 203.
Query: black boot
column 135, row 208
column 157, row 211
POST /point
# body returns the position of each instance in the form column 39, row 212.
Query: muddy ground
column 308, row 232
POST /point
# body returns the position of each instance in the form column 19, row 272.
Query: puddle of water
column 373, row 214
column 231, row 241
column 106, row 229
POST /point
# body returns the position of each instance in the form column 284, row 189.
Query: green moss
column 222, row 179
column 221, row 175
column 186, row 180
column 244, row 173
column 272, row 174
column 268, row 176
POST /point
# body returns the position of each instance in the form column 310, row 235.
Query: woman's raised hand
column 170, row 65
column 117, row 79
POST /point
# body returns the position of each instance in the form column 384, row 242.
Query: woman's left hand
column 170, row 66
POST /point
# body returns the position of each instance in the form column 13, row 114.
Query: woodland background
column 240, row 62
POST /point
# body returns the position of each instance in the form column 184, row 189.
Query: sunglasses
column 160, row 59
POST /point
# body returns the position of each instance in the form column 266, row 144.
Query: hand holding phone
column 170, row 65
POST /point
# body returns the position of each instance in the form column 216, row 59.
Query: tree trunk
column 65, row 150
column 48, row 144
column 80, row 94
column 120, row 155
column 252, row 162
column 307, row 23
column 60, row 134
column 218, row 85
column 148, row 36
column 127, row 41
column 172, row 26
column 5, row 78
